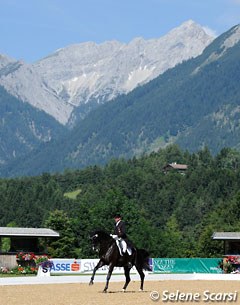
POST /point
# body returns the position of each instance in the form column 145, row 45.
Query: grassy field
column 73, row 194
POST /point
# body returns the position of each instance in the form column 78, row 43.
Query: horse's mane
column 101, row 233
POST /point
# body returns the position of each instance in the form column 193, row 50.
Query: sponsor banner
column 150, row 263
column 43, row 271
column 75, row 266
column 186, row 265
column 159, row 265
column 65, row 265
column 87, row 266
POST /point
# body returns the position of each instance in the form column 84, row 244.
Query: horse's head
column 95, row 239
column 98, row 237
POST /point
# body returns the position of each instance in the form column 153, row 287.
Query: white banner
column 65, row 265
column 87, row 266
column 43, row 271
column 77, row 266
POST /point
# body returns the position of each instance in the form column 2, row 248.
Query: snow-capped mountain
column 78, row 77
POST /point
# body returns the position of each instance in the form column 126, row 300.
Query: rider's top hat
column 117, row 215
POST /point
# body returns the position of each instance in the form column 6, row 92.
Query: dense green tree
column 206, row 246
column 64, row 245
column 172, row 238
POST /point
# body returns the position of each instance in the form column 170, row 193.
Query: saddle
column 123, row 247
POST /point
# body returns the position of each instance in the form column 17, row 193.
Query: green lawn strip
column 73, row 194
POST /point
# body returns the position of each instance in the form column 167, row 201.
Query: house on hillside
column 175, row 166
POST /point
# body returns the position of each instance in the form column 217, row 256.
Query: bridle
column 95, row 248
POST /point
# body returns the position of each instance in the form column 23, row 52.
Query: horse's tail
column 142, row 259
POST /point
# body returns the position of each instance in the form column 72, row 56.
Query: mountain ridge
column 179, row 106
column 72, row 81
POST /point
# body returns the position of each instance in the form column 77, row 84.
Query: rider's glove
column 113, row 236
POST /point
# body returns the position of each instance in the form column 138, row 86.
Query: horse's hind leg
column 127, row 276
column 142, row 276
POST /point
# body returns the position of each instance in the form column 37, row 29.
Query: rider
column 120, row 233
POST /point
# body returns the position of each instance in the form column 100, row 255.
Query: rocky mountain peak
column 87, row 74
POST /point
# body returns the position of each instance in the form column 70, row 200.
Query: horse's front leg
column 110, row 270
column 99, row 265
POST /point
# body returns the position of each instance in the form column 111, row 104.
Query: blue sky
column 33, row 29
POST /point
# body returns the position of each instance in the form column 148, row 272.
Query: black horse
column 109, row 255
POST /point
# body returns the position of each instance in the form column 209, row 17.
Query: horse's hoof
column 90, row 283
column 104, row 290
column 123, row 290
column 140, row 289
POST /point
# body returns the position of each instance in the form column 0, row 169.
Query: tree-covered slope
column 170, row 214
